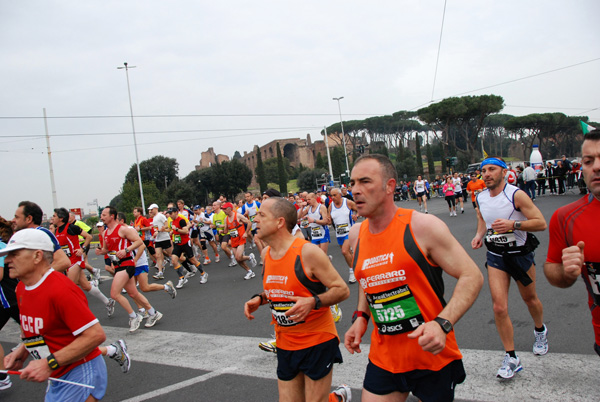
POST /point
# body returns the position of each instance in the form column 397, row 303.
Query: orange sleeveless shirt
column 404, row 290
column 286, row 277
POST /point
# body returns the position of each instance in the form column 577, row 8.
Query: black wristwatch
column 444, row 323
column 52, row 363
column 317, row 302
column 517, row 225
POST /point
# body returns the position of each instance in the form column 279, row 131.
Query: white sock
column 94, row 291
column 151, row 311
column 142, row 310
column 132, row 314
column 111, row 351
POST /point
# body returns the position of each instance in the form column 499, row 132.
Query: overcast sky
column 281, row 62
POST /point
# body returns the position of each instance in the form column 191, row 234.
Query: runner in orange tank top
column 299, row 285
column 399, row 261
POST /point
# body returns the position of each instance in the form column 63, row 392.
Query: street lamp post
column 343, row 135
column 137, row 160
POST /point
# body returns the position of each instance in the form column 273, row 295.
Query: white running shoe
column 252, row 259
column 6, row 383
column 153, row 319
column 268, row 346
column 217, row 258
column 171, row 289
column 540, row 346
column 233, row 263
column 110, row 307
column 121, row 356
column 134, row 323
column 189, row 274
column 207, row 261
column 352, row 278
column 249, row 275
column 181, row 282
column 159, row 275
column 510, row 366
column 344, row 392
column 143, row 312
column 204, row 277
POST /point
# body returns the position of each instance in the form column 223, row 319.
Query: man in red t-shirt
column 59, row 331
column 574, row 236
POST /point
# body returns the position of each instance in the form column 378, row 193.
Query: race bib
column 592, row 269
column 342, row 230
column 501, row 239
column 304, row 222
column 66, row 250
column 317, row 232
column 278, row 310
column 177, row 239
column 252, row 218
column 233, row 233
column 395, row 311
column 37, row 348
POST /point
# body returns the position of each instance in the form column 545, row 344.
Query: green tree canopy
column 460, row 120
column 307, row 180
column 158, row 170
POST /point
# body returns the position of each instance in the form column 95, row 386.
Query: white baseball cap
column 32, row 239
column 152, row 207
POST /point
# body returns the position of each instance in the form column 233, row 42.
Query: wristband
column 359, row 313
column 52, row 363
column 259, row 295
column 317, row 302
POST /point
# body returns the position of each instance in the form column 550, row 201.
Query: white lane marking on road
column 180, row 385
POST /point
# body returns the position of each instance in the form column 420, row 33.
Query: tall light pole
column 343, row 135
column 137, row 160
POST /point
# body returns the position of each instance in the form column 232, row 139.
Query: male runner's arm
column 131, row 235
column 61, row 262
column 477, row 241
column 353, row 336
column 82, row 345
column 318, row 267
column 442, row 249
column 87, row 240
column 245, row 221
column 564, row 273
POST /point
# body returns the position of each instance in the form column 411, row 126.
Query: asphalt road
column 204, row 349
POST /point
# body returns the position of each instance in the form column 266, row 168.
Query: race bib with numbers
column 342, row 230
column 507, row 239
column 66, row 250
column 233, row 233
column 395, row 311
column 37, row 348
column 278, row 309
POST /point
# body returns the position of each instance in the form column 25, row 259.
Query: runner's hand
column 251, row 306
column 572, row 259
column 302, row 307
column 37, row 371
column 353, row 336
column 431, row 337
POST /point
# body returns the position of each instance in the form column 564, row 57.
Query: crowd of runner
column 269, row 233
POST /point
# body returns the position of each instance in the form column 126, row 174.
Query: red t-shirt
column 56, row 310
column 180, row 223
column 569, row 225
column 143, row 222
